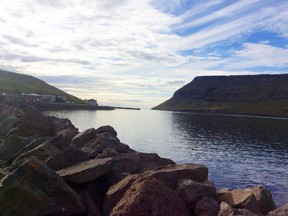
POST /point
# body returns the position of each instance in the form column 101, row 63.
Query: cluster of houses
column 41, row 98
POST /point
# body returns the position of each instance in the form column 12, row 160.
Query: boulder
column 61, row 123
column 104, row 141
column 279, row 211
column 34, row 122
column 264, row 198
column 84, row 137
column 116, row 192
column 149, row 161
column 66, row 158
column 207, row 207
column 106, row 129
column 33, row 189
column 191, row 192
column 243, row 199
column 149, row 196
column 42, row 152
column 63, row 138
column 171, row 174
column 227, row 210
column 3, row 173
column 7, row 125
column 87, row 171
column 10, row 147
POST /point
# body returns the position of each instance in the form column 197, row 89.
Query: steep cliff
column 250, row 94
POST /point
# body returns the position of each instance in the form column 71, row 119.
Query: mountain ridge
column 16, row 84
column 265, row 95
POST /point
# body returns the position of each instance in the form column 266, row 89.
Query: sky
column 137, row 53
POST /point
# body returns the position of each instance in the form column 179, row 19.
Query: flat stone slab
column 86, row 171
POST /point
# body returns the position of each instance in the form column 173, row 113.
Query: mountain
column 16, row 84
column 265, row 95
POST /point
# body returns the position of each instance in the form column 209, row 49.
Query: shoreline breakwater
column 48, row 167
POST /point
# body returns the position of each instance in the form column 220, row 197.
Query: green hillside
column 252, row 95
column 16, row 84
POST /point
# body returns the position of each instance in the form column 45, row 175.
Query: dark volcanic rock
column 191, row 192
column 34, row 122
column 86, row 171
column 10, row 147
column 283, row 211
column 7, row 125
column 67, row 158
column 33, row 189
column 207, row 207
column 64, row 137
column 148, row 196
column 84, row 137
column 106, row 129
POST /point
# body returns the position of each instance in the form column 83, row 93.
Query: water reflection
column 239, row 151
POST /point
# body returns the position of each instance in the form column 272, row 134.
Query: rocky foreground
column 49, row 168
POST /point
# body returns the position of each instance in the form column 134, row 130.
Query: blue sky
column 137, row 53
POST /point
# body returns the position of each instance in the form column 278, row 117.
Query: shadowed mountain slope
column 250, row 94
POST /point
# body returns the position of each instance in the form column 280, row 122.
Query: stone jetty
column 48, row 167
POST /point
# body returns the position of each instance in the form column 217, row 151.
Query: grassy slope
column 16, row 84
column 254, row 95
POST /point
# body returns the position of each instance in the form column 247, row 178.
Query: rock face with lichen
column 49, row 168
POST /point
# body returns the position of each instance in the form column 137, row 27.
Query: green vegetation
column 265, row 95
column 16, row 84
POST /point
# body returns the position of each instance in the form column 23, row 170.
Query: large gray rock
column 87, row 171
column 282, row 211
column 207, row 207
column 33, row 122
column 149, row 196
column 240, row 199
column 42, row 152
column 84, row 137
column 7, row 125
column 191, row 192
column 10, row 147
column 106, row 129
column 64, row 137
column 66, row 158
column 33, row 189
column 264, row 198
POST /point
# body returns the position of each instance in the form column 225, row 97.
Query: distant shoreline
column 68, row 106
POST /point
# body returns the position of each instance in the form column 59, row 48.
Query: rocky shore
column 48, row 167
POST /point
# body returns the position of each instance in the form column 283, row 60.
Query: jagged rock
column 87, row 171
column 31, row 145
column 103, row 141
column 149, row 196
column 191, row 192
column 7, row 125
column 169, row 176
column 11, row 146
column 34, row 122
column 264, row 198
column 66, row 158
column 64, row 137
column 42, row 152
column 207, row 207
column 116, row 192
column 226, row 210
column 33, row 189
column 282, row 211
column 107, row 129
column 84, row 137
column 150, row 161
column 243, row 199
column 61, row 123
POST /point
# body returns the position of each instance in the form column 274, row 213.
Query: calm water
column 239, row 151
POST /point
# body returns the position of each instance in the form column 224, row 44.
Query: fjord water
column 239, row 151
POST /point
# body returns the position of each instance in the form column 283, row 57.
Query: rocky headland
column 48, row 167
column 260, row 95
